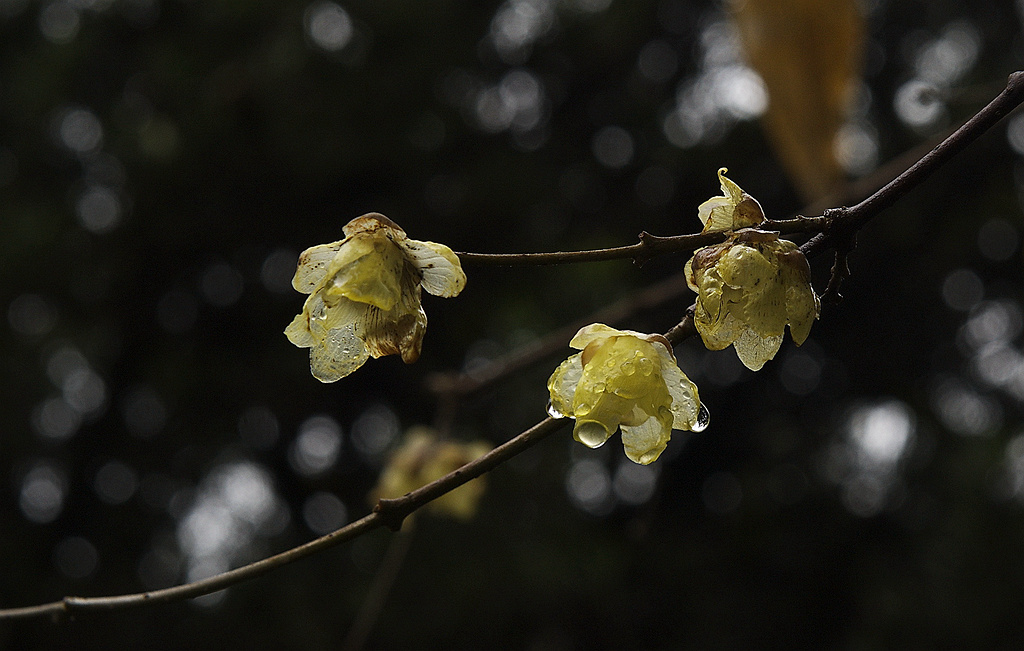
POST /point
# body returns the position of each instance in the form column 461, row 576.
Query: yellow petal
column 593, row 332
column 562, row 386
column 747, row 268
column 754, row 350
column 644, row 443
column 338, row 354
column 440, row 267
column 733, row 210
column 312, row 267
column 685, row 400
column 298, row 331
column 368, row 269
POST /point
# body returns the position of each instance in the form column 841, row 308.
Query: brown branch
column 392, row 512
column 648, row 247
column 389, row 513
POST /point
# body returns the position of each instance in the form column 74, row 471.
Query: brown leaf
column 808, row 52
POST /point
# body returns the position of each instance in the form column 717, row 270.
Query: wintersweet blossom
column 735, row 210
column 364, row 295
column 625, row 380
column 422, row 458
column 748, row 289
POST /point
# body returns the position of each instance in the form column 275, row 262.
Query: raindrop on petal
column 591, row 433
column 703, row 419
column 554, row 413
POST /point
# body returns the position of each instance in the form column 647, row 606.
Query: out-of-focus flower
column 748, row 289
column 423, row 458
column 625, row 380
column 735, row 210
column 364, row 295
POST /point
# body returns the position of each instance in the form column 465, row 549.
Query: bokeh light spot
column 115, row 482
column 76, row 557
column 317, row 446
column 42, row 493
column 329, row 26
column 323, row 513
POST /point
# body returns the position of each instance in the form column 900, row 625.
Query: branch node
column 392, row 512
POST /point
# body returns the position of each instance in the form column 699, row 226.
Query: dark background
column 162, row 164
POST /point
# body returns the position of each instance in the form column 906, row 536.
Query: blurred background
column 163, row 163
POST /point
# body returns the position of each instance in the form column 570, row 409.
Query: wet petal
column 685, row 400
column 338, row 354
column 368, row 269
column 645, row 442
column 440, row 267
column 562, row 385
column 312, row 266
column 754, row 350
column 746, row 267
column 593, row 332
column 298, row 331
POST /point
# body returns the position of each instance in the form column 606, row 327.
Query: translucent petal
column 298, row 331
column 338, row 354
column 716, row 214
column 734, row 209
column 731, row 190
column 685, row 401
column 398, row 331
column 562, row 385
column 312, row 267
column 441, row 269
column 766, row 312
column 645, row 442
column 802, row 305
column 754, row 350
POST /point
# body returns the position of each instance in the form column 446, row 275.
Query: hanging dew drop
column 591, row 434
column 703, row 419
column 554, row 413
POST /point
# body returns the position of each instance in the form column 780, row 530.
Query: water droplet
column 600, row 387
column 646, row 365
column 628, row 368
column 554, row 413
column 591, row 433
column 582, row 410
column 703, row 419
column 650, row 457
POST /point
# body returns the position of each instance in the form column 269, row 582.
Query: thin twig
column 387, row 513
column 648, row 247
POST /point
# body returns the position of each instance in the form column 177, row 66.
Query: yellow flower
column 364, row 295
column 735, row 210
column 748, row 289
column 629, row 381
column 422, row 458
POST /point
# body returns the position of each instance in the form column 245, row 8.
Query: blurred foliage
column 162, row 163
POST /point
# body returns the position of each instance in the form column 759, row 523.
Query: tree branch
column 392, row 512
column 648, row 247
